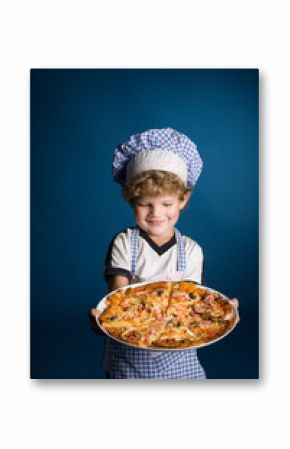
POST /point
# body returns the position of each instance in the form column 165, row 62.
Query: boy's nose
column 156, row 211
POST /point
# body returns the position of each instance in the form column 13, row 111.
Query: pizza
column 169, row 315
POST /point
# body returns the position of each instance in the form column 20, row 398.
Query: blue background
column 78, row 116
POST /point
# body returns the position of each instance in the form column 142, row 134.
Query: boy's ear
column 185, row 200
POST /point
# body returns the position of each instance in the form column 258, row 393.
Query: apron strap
column 181, row 255
column 134, row 250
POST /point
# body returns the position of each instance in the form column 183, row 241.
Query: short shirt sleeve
column 194, row 261
column 118, row 257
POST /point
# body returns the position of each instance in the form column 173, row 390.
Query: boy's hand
column 93, row 314
column 234, row 302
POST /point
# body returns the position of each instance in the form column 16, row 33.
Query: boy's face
column 158, row 215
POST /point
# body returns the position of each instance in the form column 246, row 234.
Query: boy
column 157, row 170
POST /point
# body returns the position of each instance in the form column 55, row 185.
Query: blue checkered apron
column 126, row 362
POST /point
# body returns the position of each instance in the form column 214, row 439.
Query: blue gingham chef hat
column 157, row 149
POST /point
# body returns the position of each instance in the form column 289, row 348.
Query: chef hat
column 157, row 149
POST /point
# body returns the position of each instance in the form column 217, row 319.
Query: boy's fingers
column 234, row 302
column 95, row 313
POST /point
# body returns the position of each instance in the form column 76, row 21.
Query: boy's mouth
column 155, row 222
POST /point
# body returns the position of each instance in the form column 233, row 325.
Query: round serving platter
column 101, row 307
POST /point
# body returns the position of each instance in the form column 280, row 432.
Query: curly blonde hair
column 154, row 183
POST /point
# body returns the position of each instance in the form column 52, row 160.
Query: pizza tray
column 101, row 306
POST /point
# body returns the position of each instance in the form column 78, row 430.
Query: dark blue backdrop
column 77, row 119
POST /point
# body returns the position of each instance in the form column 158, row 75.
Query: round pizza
column 167, row 315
